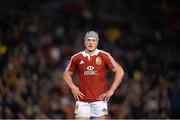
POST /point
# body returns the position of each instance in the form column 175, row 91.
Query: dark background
column 38, row 37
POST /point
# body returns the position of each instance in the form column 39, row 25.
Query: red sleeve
column 111, row 63
column 72, row 65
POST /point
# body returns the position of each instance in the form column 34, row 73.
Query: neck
column 90, row 52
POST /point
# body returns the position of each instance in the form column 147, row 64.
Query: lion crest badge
column 98, row 61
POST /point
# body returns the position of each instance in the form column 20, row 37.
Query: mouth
column 90, row 46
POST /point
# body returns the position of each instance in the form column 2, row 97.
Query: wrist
column 73, row 86
column 112, row 90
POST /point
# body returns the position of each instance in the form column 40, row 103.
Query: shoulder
column 77, row 55
column 104, row 53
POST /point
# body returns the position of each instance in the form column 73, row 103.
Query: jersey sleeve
column 72, row 65
column 111, row 63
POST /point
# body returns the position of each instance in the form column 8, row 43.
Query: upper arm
column 113, row 65
column 118, row 68
column 66, row 72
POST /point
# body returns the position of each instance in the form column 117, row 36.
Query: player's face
column 90, row 44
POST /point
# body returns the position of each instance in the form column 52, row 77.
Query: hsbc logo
column 90, row 71
column 90, row 68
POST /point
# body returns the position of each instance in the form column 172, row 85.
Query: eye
column 91, row 39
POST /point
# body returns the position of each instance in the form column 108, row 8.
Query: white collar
column 84, row 53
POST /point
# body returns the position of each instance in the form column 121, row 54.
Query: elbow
column 65, row 75
column 121, row 71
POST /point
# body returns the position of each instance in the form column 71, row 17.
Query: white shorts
column 86, row 109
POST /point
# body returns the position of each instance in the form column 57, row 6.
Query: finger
column 106, row 98
column 77, row 97
column 101, row 97
column 80, row 95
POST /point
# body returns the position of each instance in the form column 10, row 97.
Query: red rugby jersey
column 91, row 72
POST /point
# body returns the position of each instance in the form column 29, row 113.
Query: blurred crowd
column 38, row 37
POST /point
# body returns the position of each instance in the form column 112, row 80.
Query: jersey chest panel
column 92, row 66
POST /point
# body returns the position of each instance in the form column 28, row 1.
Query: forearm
column 117, row 79
column 75, row 90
